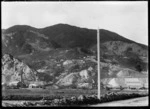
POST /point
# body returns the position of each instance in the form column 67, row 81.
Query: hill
column 45, row 50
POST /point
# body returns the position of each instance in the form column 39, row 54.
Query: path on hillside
column 141, row 101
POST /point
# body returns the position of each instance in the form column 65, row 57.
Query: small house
column 133, row 83
column 85, row 85
column 37, row 84
column 3, row 86
column 128, row 82
column 13, row 84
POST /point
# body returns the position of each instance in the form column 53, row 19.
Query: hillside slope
column 47, row 49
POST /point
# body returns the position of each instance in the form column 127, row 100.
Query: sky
column 129, row 19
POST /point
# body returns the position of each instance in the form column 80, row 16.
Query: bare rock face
column 67, row 62
column 68, row 80
column 15, row 70
column 84, row 74
column 80, row 79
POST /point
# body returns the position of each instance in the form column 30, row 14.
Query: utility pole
column 98, row 62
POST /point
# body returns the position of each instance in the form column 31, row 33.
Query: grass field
column 60, row 92
column 63, row 97
column 46, row 92
column 27, row 101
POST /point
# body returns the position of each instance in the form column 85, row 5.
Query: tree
column 135, row 60
column 139, row 67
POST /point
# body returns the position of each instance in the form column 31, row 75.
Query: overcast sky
column 129, row 19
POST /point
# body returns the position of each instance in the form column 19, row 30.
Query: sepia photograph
column 86, row 54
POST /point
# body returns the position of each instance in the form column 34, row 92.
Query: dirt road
column 142, row 101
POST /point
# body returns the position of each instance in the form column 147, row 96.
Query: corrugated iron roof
column 124, row 82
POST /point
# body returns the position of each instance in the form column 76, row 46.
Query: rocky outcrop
column 68, row 80
column 84, row 74
column 82, row 79
column 67, row 62
column 85, row 85
column 15, row 70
